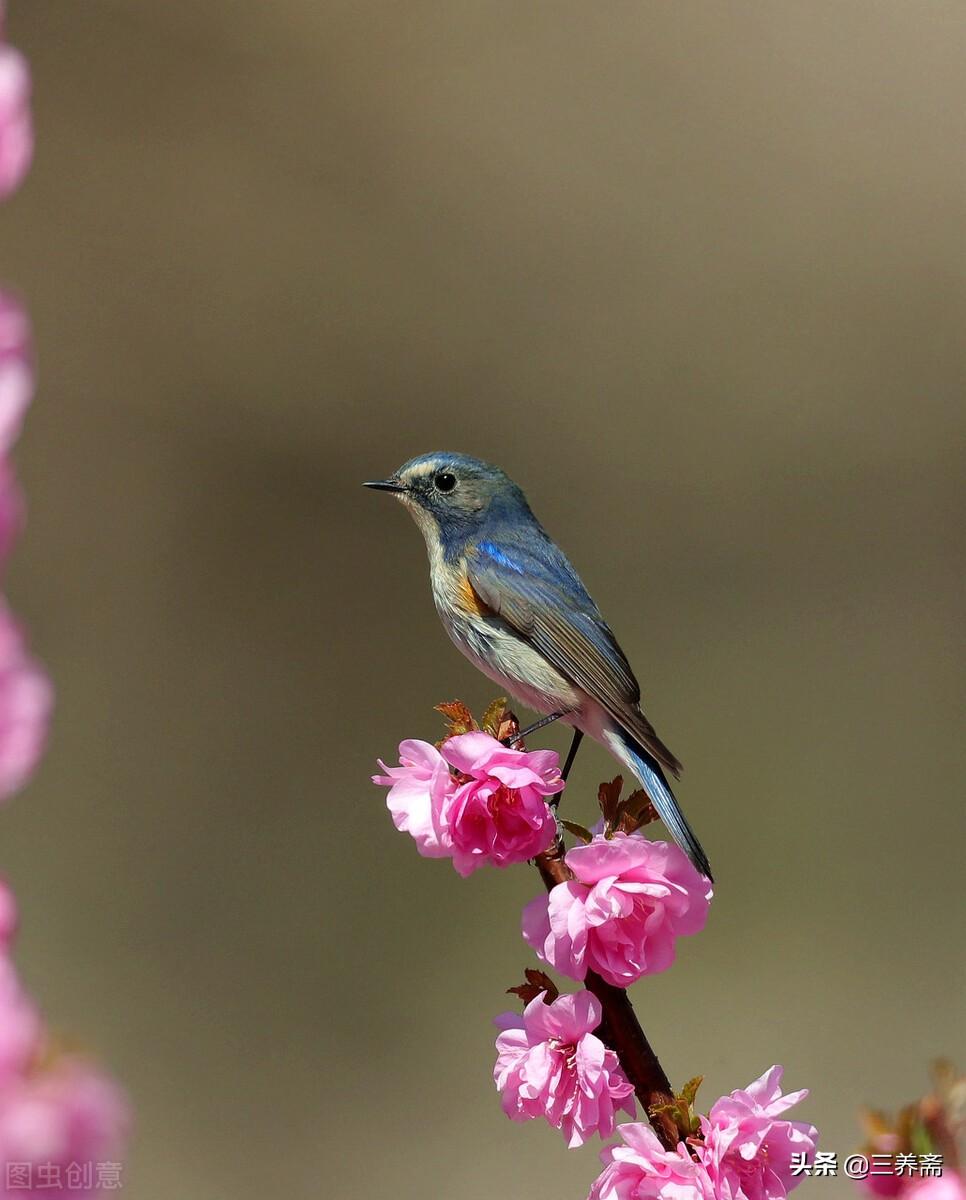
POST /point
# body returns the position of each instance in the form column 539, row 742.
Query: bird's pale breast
column 492, row 646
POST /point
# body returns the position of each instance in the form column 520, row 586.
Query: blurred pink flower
column 9, row 916
column 16, row 126
column 948, row 1186
column 16, row 369
column 641, row 1169
column 59, row 1115
column 26, row 699
column 747, row 1148
column 884, row 1185
column 66, row 1120
column 499, row 815
column 20, row 1026
column 418, row 788
column 11, row 510
column 549, row 1064
column 493, row 811
column 631, row 898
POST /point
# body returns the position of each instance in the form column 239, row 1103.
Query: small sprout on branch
column 608, row 797
column 458, row 718
column 624, row 816
column 494, row 717
column 578, row 831
column 536, row 983
column 681, row 1109
column 635, row 812
column 508, row 730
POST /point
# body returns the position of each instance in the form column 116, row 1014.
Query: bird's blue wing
column 536, row 591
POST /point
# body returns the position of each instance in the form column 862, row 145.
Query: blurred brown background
column 694, row 274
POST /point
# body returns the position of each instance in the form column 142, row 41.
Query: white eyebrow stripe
column 429, row 468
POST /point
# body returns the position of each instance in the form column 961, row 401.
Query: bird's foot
column 525, row 733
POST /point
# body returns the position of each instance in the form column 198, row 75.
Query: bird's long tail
column 648, row 770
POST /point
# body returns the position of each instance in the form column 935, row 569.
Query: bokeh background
column 694, row 274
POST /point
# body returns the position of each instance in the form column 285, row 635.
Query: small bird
column 510, row 600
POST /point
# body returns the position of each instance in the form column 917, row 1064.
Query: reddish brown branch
column 620, row 1028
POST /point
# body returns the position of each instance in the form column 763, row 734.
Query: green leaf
column 681, row 1108
column 919, row 1140
column 676, row 1110
column 493, row 716
column 578, row 831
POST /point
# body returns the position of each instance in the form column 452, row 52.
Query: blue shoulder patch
column 494, row 552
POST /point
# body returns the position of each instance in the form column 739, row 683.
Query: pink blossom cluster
column 62, row 1121
column 904, row 1185
column 16, row 370
column 947, row 1186
column 60, row 1117
column 16, row 128
column 477, row 802
column 473, row 800
column 549, row 1064
column 26, row 696
column 748, row 1147
column 25, row 693
column 621, row 914
column 744, row 1152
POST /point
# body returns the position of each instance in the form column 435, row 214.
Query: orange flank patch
column 470, row 601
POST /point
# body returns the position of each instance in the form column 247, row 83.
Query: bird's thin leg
column 572, row 753
column 524, row 733
column 554, row 800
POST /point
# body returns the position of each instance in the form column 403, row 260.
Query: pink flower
column 16, row 368
column 885, row 1185
column 948, row 1186
column 549, row 1064
column 21, row 1031
column 418, row 789
column 26, row 698
column 16, row 127
column 9, row 917
column 20, row 1026
column 641, row 1169
column 59, row 1115
column 631, row 898
column 884, row 1142
column 492, row 811
column 747, row 1149
column 69, row 1123
column 11, row 510
column 499, row 815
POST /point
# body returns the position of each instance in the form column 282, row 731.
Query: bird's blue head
column 453, row 497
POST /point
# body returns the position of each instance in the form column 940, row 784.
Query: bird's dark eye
column 445, row 482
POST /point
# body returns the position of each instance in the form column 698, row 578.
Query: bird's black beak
column 386, row 485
